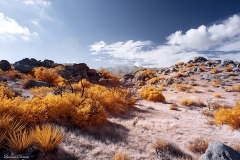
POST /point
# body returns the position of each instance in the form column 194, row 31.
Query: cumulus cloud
column 10, row 29
column 216, row 41
column 206, row 37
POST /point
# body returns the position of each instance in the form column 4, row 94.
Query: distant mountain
column 120, row 70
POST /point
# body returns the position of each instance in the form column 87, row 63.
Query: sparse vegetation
column 235, row 88
column 173, row 106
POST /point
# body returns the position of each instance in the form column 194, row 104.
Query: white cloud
column 10, row 29
column 37, row 2
column 218, row 39
column 35, row 22
column 10, row 26
column 206, row 37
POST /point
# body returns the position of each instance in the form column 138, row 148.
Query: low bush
column 152, row 94
column 173, row 106
column 167, row 150
column 229, row 116
column 48, row 75
column 198, row 145
column 189, row 102
column 121, row 156
column 181, row 87
column 235, row 88
column 217, row 95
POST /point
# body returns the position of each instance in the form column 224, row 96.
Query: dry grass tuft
column 181, row 87
column 214, row 70
column 47, row 137
column 173, row 106
column 235, row 88
column 166, row 150
column 121, row 156
column 198, row 145
column 189, row 102
column 217, row 95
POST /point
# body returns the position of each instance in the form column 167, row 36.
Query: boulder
column 219, row 151
column 208, row 76
column 23, row 68
column 199, row 59
column 48, row 63
column 80, row 67
column 65, row 73
column 91, row 73
column 29, row 62
column 33, row 83
column 5, row 65
column 128, row 76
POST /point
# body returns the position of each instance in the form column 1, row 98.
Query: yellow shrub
column 13, row 74
column 106, row 74
column 181, row 87
column 152, row 94
column 121, row 156
column 154, row 79
column 146, row 71
column 227, row 68
column 181, row 71
column 47, row 137
column 190, row 65
column 20, row 141
column 173, row 106
column 41, row 90
column 214, row 70
column 113, row 100
column 235, row 88
column 217, row 95
column 5, row 92
column 48, row 75
column 198, row 145
column 230, row 116
column 84, row 83
column 180, row 64
column 189, row 102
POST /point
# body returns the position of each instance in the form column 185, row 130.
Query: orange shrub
column 180, row 64
column 214, row 70
column 152, row 94
column 230, row 116
column 217, row 95
column 181, row 87
column 48, row 75
column 106, row 74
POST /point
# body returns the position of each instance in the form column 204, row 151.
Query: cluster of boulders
column 141, row 79
column 74, row 72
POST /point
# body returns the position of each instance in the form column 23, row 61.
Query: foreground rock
column 219, row 151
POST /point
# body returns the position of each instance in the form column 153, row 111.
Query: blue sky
column 150, row 33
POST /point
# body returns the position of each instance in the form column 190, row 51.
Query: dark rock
column 65, row 73
column 91, row 73
column 48, row 63
column 191, row 61
column 80, row 67
column 128, row 76
column 23, row 68
column 29, row 62
column 200, row 69
column 199, row 59
column 173, row 69
column 103, row 81
column 5, row 65
column 33, row 83
column 219, row 151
